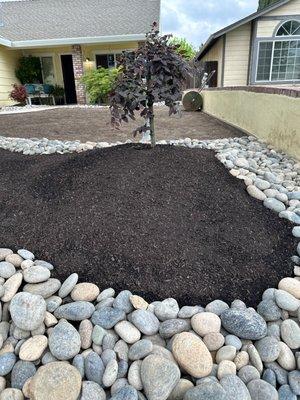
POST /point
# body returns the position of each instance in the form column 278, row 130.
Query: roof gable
column 68, row 20
column 213, row 38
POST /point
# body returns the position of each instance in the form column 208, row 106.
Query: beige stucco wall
column 291, row 8
column 272, row 117
column 237, row 50
column 216, row 54
column 8, row 64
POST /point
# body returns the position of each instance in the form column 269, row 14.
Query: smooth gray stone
column 27, row 311
column 140, row 349
column 286, row 301
column 188, row 311
column 48, row 358
column 36, row 274
column 269, row 310
column 109, row 341
column 44, row 289
column 7, row 361
column 108, row 317
column 94, row 368
column 270, row 377
column 260, row 390
column 64, row 341
column 76, row 311
column 208, row 390
column 166, row 309
column 248, row 373
column 44, row 264
column 145, row 321
column 122, row 369
column 126, row 393
column 281, row 374
column 108, row 355
column 122, row 301
column 171, row 327
column 285, row 393
column 294, row 381
column 246, row 324
column 296, row 231
column 274, row 205
column 159, row 377
column 7, row 269
column 235, row 388
column 232, row 340
column 53, row 303
column 92, row 391
column 217, row 307
column 21, row 371
column 27, row 255
column 294, row 195
column 78, row 363
column 68, row 285
column 268, row 348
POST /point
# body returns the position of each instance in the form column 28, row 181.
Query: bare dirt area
column 94, row 125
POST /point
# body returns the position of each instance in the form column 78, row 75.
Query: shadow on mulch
column 168, row 222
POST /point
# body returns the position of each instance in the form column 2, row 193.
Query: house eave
column 21, row 44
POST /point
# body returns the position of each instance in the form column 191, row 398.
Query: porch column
column 78, row 73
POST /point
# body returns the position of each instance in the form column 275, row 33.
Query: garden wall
column 269, row 113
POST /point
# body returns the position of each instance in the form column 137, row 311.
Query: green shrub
column 99, row 83
column 185, row 49
column 29, row 70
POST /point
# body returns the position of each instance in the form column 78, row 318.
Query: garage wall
column 268, row 113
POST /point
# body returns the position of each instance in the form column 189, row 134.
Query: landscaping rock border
column 67, row 340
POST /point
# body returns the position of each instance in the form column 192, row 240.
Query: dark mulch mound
column 163, row 222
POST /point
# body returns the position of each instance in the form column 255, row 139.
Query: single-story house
column 69, row 37
column 261, row 49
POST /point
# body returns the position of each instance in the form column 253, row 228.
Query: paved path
column 94, row 125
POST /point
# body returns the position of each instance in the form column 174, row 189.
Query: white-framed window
column 279, row 59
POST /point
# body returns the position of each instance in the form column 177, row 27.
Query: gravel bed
column 69, row 340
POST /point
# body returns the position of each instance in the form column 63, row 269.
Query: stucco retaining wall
column 272, row 114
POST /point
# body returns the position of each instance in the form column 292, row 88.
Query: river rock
column 68, row 285
column 180, row 389
column 11, row 394
column 126, row 393
column 256, row 193
column 7, row 269
column 22, row 371
column 92, row 391
column 76, row 311
column 108, row 317
column 235, row 388
column 140, row 349
column 268, row 348
column 246, row 324
column 159, row 377
column 7, row 361
column 36, row 274
column 145, row 321
column 128, row 332
column 294, row 381
column 27, row 310
column 286, row 301
column 207, row 390
column 261, row 390
column 286, row 358
column 44, row 289
column 290, row 333
column 274, row 205
column 138, row 302
column 290, row 285
column 171, row 327
column 192, row 354
column 33, row 348
column 94, row 367
column 206, row 322
column 122, row 301
column 57, row 380
column 26, row 254
column 167, row 309
column 85, row 292
column 64, row 341
column 11, row 286
column 4, row 253
column 14, row 259
column 285, row 393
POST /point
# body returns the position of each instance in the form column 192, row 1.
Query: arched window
column 289, row 28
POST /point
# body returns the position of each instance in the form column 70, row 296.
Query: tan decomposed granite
column 69, row 340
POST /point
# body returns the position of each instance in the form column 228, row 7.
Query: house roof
column 215, row 36
column 40, row 22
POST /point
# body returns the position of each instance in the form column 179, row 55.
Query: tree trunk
column 152, row 129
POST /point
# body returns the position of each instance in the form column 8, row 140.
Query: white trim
column 281, row 25
column 80, row 40
column 273, row 41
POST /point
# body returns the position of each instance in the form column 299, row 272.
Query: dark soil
column 93, row 124
column 168, row 222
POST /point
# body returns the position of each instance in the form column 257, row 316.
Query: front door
column 69, row 80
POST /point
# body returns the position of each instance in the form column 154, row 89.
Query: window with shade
column 279, row 59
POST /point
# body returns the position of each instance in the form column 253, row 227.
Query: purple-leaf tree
column 155, row 72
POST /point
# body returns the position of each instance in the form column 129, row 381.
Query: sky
column 195, row 20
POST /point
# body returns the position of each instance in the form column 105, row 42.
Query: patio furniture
column 39, row 91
